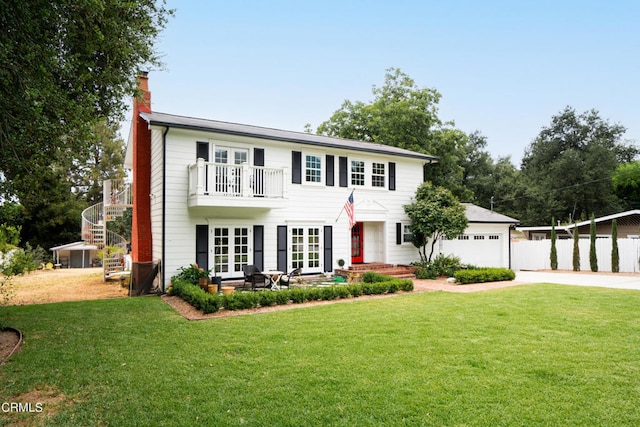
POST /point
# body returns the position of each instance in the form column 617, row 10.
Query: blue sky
column 503, row 67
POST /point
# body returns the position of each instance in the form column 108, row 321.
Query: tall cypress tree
column 615, row 257
column 593, row 256
column 576, row 248
column 554, row 252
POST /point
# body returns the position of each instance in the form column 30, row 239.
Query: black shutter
column 398, row 233
column 202, row 151
column 258, row 246
column 344, row 176
column 392, row 176
column 329, row 171
column 328, row 248
column 296, row 167
column 282, row 248
column 258, row 157
column 202, row 246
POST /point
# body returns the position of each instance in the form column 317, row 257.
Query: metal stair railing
column 118, row 198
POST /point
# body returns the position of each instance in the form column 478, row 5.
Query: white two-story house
column 225, row 195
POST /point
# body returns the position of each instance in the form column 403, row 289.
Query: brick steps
column 398, row 271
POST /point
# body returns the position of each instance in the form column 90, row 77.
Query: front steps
column 398, row 271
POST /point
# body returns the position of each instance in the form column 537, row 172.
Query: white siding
column 156, row 193
column 309, row 204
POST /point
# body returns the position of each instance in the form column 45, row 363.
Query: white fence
column 535, row 254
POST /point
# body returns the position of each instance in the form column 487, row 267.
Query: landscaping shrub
column 195, row 296
column 484, row 275
column 342, row 291
column 191, row 274
column 242, row 300
column 355, row 290
column 373, row 277
column 266, row 299
column 328, row 293
column 298, row 296
column 283, row 297
column 405, row 285
column 210, row 303
column 424, row 270
column 446, row 265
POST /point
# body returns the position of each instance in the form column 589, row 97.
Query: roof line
column 385, row 149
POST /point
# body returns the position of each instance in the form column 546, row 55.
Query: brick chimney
column 141, row 239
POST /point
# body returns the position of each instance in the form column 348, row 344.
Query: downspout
column 164, row 203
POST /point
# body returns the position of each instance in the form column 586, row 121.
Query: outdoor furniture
column 285, row 279
column 274, row 278
column 254, row 278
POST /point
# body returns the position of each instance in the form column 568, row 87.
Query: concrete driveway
column 604, row 280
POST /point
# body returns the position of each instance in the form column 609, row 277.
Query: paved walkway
column 605, row 280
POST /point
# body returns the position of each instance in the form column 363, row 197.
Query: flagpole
column 342, row 210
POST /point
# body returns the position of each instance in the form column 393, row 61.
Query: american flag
column 350, row 210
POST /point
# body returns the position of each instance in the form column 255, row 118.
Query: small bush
column 355, row 290
column 242, row 300
column 267, row 298
column 484, row 275
column 446, row 265
column 373, row 277
column 204, row 301
column 406, row 285
column 328, row 293
column 283, row 297
column 313, row 294
column 343, row 291
column 191, row 274
column 298, row 296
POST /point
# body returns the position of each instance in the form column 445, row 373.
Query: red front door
column 357, row 248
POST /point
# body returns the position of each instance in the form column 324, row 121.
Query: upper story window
column 313, row 168
column 357, row 172
column 377, row 175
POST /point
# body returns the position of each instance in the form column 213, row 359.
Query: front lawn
column 526, row 355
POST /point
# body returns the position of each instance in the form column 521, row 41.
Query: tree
column 567, row 167
column 615, row 257
column 65, row 67
column 593, row 256
column 435, row 213
column 626, row 184
column 553, row 256
column 576, row 248
column 404, row 115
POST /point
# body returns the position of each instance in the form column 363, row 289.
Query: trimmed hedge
column 210, row 303
column 482, row 275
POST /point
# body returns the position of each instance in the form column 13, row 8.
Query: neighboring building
column 76, row 255
column 487, row 240
column 628, row 224
column 225, row 195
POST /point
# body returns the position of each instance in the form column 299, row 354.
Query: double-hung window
column 313, row 168
column 357, row 172
column 377, row 175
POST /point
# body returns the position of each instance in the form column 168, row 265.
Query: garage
column 486, row 241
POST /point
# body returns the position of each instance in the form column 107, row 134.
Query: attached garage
column 487, row 240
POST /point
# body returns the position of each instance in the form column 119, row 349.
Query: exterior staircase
column 399, row 271
column 117, row 197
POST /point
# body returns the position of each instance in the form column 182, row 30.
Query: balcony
column 236, row 186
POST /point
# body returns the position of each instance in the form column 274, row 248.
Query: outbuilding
column 75, row 255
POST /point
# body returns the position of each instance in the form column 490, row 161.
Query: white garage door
column 482, row 250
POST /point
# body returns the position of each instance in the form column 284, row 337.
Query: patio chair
column 286, row 279
column 254, row 278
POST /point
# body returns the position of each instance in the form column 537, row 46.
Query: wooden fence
column 534, row 254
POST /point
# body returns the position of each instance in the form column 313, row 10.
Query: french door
column 231, row 250
column 229, row 178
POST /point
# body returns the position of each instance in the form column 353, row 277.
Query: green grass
column 526, row 355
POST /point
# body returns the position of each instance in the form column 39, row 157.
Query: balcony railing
column 244, row 181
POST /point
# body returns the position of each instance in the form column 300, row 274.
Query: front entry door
column 357, row 248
